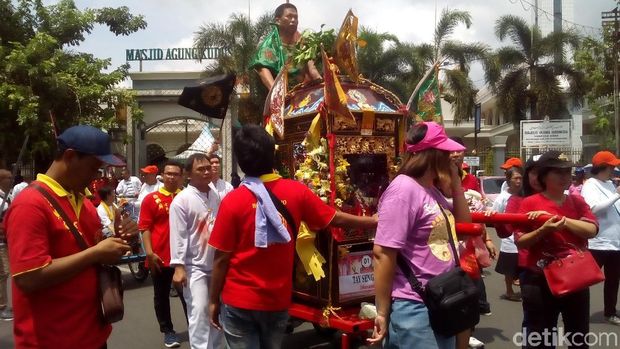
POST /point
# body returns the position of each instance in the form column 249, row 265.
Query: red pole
column 508, row 218
column 470, row 229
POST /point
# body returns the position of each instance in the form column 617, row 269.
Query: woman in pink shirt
column 412, row 222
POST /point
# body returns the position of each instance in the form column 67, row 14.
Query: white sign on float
column 543, row 133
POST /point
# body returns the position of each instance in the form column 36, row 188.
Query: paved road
column 139, row 329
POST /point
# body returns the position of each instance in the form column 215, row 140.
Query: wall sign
column 541, row 133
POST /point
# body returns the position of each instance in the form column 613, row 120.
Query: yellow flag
column 335, row 98
column 313, row 137
column 344, row 48
column 310, row 257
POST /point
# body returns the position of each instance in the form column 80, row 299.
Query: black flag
column 211, row 97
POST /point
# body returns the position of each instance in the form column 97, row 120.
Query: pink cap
column 435, row 138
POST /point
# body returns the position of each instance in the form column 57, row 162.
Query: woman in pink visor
column 412, row 222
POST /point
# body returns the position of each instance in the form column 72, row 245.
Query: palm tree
column 525, row 75
column 460, row 90
column 392, row 64
column 239, row 39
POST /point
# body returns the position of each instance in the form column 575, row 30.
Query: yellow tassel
column 309, row 256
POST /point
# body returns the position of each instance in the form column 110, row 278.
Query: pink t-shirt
column 410, row 220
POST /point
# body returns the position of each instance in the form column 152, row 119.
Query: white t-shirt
column 222, row 188
column 145, row 190
column 129, row 188
column 605, row 204
column 504, row 187
column 499, row 205
column 5, row 205
column 192, row 216
column 17, row 189
column 105, row 219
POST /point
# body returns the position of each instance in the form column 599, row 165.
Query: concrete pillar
column 226, row 146
column 132, row 148
column 498, row 144
column 140, row 147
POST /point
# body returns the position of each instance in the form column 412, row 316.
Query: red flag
column 274, row 104
column 335, row 98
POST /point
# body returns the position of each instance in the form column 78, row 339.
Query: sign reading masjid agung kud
column 177, row 53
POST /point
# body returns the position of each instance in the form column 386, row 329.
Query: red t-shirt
column 154, row 214
column 261, row 278
column 94, row 187
column 65, row 315
column 555, row 243
column 470, row 182
column 512, row 206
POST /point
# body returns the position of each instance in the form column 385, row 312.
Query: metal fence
column 487, row 156
column 177, row 138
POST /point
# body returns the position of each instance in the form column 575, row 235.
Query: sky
column 173, row 23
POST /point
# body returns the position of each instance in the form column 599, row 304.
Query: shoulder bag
column 571, row 273
column 451, row 297
column 574, row 272
column 109, row 276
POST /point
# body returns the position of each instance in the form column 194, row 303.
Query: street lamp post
column 612, row 17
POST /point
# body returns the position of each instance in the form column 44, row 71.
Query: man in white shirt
column 221, row 186
column 107, row 210
column 150, row 185
column 129, row 187
column 192, row 216
column 20, row 185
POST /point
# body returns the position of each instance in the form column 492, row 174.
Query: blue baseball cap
column 89, row 140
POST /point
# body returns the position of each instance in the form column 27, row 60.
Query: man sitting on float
column 275, row 50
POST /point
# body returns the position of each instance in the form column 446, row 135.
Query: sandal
column 512, row 297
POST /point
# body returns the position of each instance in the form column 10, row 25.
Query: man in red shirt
column 155, row 228
column 55, row 292
column 253, row 263
column 99, row 182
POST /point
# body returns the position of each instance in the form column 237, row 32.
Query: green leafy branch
column 309, row 46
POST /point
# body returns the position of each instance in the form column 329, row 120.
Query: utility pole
column 557, row 28
column 609, row 18
column 536, row 13
column 529, row 114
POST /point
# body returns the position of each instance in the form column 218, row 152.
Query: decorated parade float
column 339, row 136
column 348, row 160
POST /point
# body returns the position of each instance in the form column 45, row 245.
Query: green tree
column 43, row 74
column 595, row 58
column 239, row 37
column 525, row 75
column 456, row 58
column 390, row 63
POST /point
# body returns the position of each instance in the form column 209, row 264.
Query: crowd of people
column 579, row 221
column 216, row 245
column 222, row 268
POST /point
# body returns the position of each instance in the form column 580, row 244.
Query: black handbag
column 451, row 297
column 109, row 278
